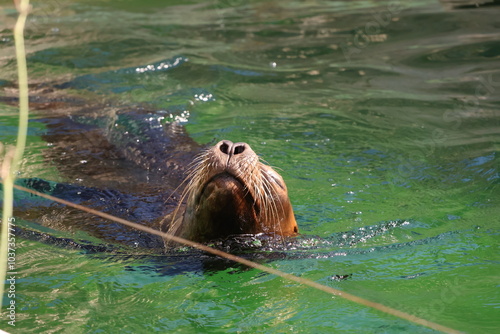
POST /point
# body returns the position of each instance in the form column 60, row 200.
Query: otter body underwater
column 157, row 176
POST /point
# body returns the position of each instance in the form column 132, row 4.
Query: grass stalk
column 13, row 157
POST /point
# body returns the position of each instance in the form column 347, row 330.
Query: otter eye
column 239, row 149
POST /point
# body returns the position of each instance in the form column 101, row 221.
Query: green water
column 373, row 111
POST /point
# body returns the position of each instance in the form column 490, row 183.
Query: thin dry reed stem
column 13, row 157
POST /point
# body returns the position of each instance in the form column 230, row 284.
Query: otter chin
column 230, row 191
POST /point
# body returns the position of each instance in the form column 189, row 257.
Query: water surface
column 373, row 112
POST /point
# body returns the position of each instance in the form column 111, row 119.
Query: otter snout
column 231, row 156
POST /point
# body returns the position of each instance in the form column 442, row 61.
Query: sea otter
column 229, row 192
column 129, row 164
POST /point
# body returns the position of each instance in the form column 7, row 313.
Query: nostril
column 229, row 148
column 224, row 148
column 238, row 148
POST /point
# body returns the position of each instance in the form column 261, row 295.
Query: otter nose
column 229, row 148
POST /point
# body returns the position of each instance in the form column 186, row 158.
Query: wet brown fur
column 230, row 191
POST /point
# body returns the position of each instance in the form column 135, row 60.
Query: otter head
column 231, row 192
